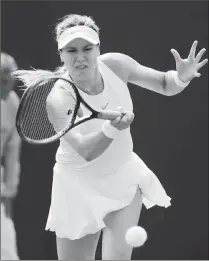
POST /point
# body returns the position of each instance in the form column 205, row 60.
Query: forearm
column 92, row 145
column 151, row 79
column 156, row 81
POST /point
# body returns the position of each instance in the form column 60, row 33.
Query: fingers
column 200, row 54
column 124, row 121
column 130, row 116
column 176, row 55
column 193, row 50
column 197, row 74
column 201, row 64
column 116, row 121
column 120, row 109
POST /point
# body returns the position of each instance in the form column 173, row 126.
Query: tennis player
column 10, row 152
column 99, row 183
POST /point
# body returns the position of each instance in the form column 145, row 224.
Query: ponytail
column 37, row 76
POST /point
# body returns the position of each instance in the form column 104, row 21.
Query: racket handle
column 109, row 114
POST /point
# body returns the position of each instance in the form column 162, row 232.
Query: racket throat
column 95, row 114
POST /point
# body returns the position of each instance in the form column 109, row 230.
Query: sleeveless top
column 115, row 93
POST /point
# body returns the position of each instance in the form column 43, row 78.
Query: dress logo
column 105, row 106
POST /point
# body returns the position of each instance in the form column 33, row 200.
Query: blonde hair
column 32, row 77
column 74, row 20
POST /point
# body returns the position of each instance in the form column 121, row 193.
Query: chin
column 82, row 73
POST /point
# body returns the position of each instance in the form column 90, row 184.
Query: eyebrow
column 72, row 47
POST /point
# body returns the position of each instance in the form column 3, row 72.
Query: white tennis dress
column 84, row 192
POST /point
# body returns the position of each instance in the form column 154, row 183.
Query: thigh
column 114, row 245
column 79, row 249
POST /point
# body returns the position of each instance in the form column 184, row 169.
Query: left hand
column 188, row 68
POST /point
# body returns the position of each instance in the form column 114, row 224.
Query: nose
column 80, row 57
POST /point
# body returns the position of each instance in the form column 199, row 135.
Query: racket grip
column 109, row 114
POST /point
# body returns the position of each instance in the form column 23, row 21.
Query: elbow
column 85, row 154
column 79, row 145
column 173, row 92
column 92, row 155
column 89, row 154
column 88, row 158
column 170, row 92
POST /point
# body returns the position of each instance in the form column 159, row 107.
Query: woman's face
column 80, row 58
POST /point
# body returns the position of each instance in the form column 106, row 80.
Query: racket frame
column 68, row 127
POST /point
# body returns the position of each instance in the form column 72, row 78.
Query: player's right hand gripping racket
column 32, row 121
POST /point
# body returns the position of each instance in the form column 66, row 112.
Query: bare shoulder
column 61, row 98
column 59, row 94
column 118, row 63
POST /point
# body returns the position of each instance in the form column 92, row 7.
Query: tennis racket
column 32, row 121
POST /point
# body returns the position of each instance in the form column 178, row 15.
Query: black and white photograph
column 104, row 130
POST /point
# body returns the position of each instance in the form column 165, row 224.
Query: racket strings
column 28, row 118
column 35, row 123
column 47, row 131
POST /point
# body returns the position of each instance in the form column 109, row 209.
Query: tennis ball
column 136, row 236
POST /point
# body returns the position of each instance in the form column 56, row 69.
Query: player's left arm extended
column 167, row 83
